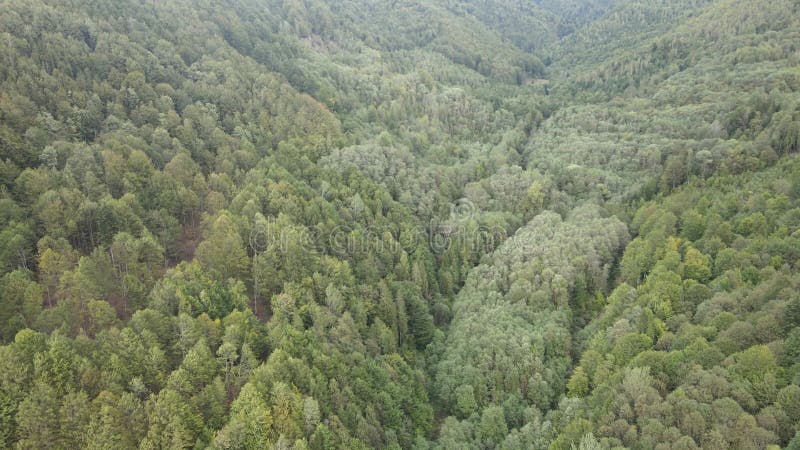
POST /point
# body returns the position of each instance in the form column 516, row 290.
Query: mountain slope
column 356, row 224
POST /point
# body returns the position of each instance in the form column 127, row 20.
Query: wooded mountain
column 424, row 224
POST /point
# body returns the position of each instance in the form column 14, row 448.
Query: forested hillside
column 427, row 224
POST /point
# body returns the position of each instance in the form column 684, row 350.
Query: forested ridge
column 426, row 224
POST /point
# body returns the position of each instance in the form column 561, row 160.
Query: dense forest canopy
column 424, row 224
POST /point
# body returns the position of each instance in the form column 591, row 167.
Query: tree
column 171, row 422
column 199, row 366
column 53, row 262
column 20, row 303
column 311, row 415
column 222, row 253
column 74, row 415
column 38, row 419
column 420, row 322
column 465, row 401
column 696, row 265
column 578, row 384
column 101, row 315
column 492, row 429
column 16, row 247
column 118, row 422
column 674, row 173
column 637, row 261
column 250, row 425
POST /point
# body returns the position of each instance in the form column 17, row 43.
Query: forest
column 405, row 224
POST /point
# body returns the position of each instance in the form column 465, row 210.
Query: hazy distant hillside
column 534, row 26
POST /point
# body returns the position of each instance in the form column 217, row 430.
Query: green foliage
column 728, row 369
column 222, row 254
column 578, row 384
column 20, row 304
column 357, row 224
